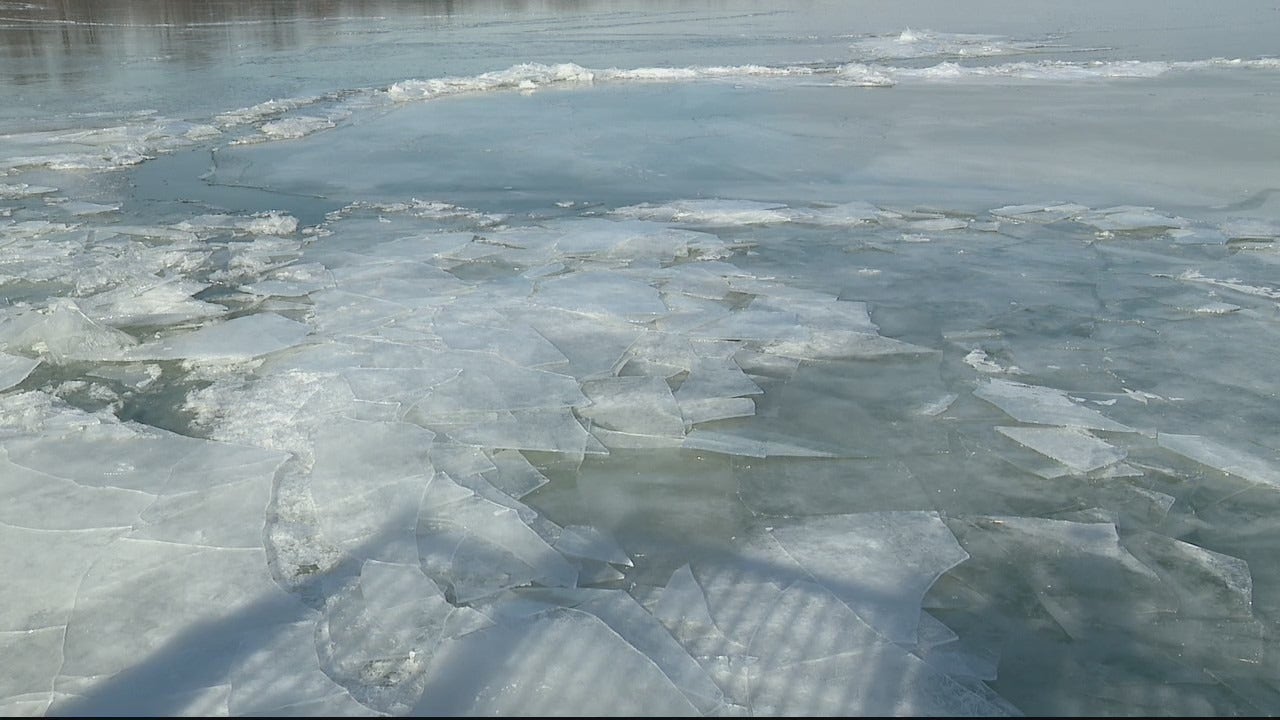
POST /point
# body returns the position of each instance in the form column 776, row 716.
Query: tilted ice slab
column 150, row 300
column 1073, row 447
column 1222, row 457
column 14, row 369
column 751, row 444
column 1044, row 406
column 244, row 337
column 1040, row 212
column 1129, row 217
column 62, row 332
column 636, row 405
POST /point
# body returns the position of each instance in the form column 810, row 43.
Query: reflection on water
column 74, row 41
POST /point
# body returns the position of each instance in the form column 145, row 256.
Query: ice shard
column 1044, row 406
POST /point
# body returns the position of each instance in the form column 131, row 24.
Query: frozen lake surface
column 639, row 358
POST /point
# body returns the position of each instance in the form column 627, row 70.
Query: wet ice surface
column 817, row 373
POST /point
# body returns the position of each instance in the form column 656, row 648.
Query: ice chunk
column 338, row 312
column 522, row 346
column 978, row 360
column 295, row 127
column 853, row 684
column 1040, row 213
column 32, row 657
column 601, row 293
column 767, row 445
column 9, row 191
column 151, row 301
column 105, row 456
column 850, row 213
column 1198, row 236
column 473, row 547
column 1219, row 456
column 211, row 464
column 1090, row 584
column 464, row 683
column 199, row 606
column 682, row 609
column 700, row 411
column 549, row 430
column 1231, row 284
column 715, row 378
column 584, row 541
column 636, row 405
column 368, row 480
column 592, row 345
column 837, row 344
column 400, row 280
column 400, row 385
column 514, row 474
column 267, row 223
column 282, row 676
column 624, row 239
column 14, row 369
column 63, row 332
column 244, row 337
column 645, row 633
column 939, row 406
column 1208, row 583
column 226, row 515
column 1251, row 229
column 711, row 212
column 487, row 383
column 824, row 313
column 879, row 564
column 1073, row 447
column 1129, row 217
column 379, row 639
column 43, row 570
column 80, row 207
column 292, row 281
column 1041, row 405
column 45, row 502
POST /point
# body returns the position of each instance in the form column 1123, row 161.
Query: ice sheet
column 1222, row 457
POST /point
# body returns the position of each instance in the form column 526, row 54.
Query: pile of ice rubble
column 341, row 529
